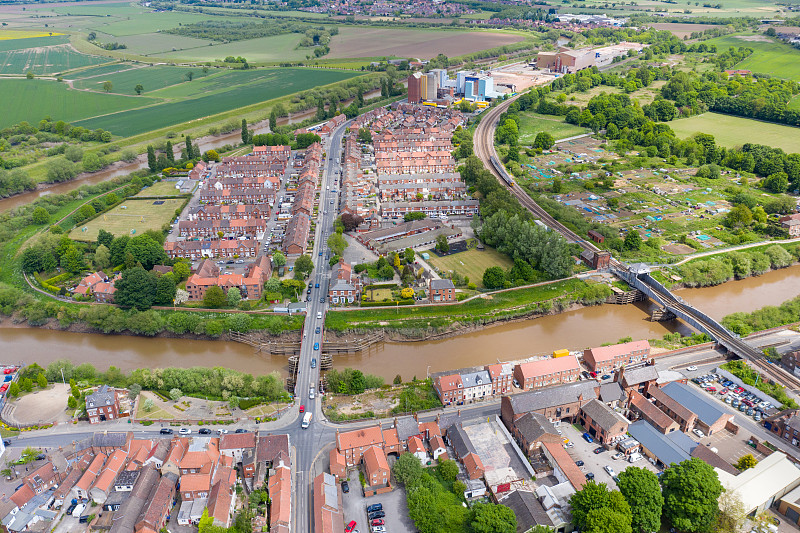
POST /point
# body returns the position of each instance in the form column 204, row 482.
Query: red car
column 723, row 392
column 377, row 522
column 302, row 408
column 711, row 389
column 350, row 527
column 739, row 390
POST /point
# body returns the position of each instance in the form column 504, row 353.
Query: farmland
column 732, row 131
column 769, row 56
column 45, row 60
column 33, row 99
column 130, row 218
column 211, row 95
column 471, row 263
column 23, row 34
column 425, row 44
column 124, row 77
column 532, row 123
column 262, row 50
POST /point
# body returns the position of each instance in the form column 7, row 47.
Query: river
column 576, row 329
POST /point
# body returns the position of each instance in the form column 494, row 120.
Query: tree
column 691, row 490
column 278, row 259
column 152, row 162
column 406, row 293
column 409, row 255
column 273, row 120
column 493, row 518
column 414, row 215
column 494, row 278
column 364, row 135
column 594, row 502
column 633, row 241
column 189, row 151
column 60, row 169
column 107, row 86
column 181, row 297
column 40, row 216
column 26, row 384
column 448, row 470
column 148, row 404
column 165, row 289
column 398, row 380
column 41, row 381
column 234, row 296
column 215, row 297
column 337, row 243
column 105, row 238
column 134, row 391
column 146, row 251
column 91, row 162
column 72, row 403
column 139, row 89
column 777, row 182
column 13, row 389
column 303, row 266
column 72, row 260
column 407, row 469
column 641, row 490
column 739, row 216
column 350, row 222
column 442, row 246
column 181, row 270
column 543, row 141
column 245, row 133
column 175, row 394
column 102, row 257
column 29, row 74
column 732, row 513
column 136, row 288
column 746, row 462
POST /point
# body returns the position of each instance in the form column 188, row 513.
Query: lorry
column 306, row 420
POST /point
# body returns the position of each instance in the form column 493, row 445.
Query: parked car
column 691, row 368
column 166, row 431
column 609, row 470
column 711, row 389
column 204, row 431
column 589, row 476
column 579, row 462
column 599, row 449
column 241, row 430
column 185, row 431
column 374, row 507
column 350, row 527
column 378, row 529
column 606, row 376
column 345, row 486
column 377, row 522
column 376, row 514
column 698, row 433
column 588, row 438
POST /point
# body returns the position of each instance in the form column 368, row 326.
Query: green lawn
column 160, row 188
column 532, row 123
column 772, row 57
column 137, row 217
column 253, row 86
column 732, row 131
column 33, row 99
column 471, row 263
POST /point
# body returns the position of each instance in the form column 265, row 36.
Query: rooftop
column 553, row 396
column 757, row 485
column 672, row 448
column 695, row 401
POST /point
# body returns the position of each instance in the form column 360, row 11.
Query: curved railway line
column 483, row 145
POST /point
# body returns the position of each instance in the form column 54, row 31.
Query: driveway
column 394, row 505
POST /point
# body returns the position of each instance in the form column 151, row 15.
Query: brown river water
column 576, row 329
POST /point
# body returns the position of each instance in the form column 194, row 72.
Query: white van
column 319, row 315
column 635, row 457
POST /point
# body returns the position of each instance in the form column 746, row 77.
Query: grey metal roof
column 330, row 491
column 553, row 396
column 666, row 449
column 442, row 284
column 533, row 425
column 601, row 414
column 460, row 442
column 698, row 403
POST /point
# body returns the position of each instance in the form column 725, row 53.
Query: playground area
column 131, row 218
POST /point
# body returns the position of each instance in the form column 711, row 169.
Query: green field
column 45, row 60
column 21, row 44
column 262, row 50
column 138, row 217
column 532, row 123
column 32, row 100
column 732, row 131
column 160, row 188
column 214, row 94
column 769, row 56
column 159, row 44
column 124, row 77
column 471, row 263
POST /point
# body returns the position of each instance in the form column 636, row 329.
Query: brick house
column 338, row 466
column 649, row 412
column 555, row 403
column 376, row 468
column 441, row 290
column 450, row 389
column 345, row 287
column 102, row 405
column 681, row 415
column 531, row 430
column 353, row 444
column 550, row 371
column 295, row 239
column 604, row 359
column 602, row 422
column 502, row 375
column 786, row 425
column 638, row 379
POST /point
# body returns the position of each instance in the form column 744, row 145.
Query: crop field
column 214, row 94
column 137, row 217
column 735, row 131
column 471, row 263
column 32, row 42
column 24, row 34
column 33, row 99
column 424, row 44
column 769, row 56
column 262, row 50
column 124, row 77
column 147, row 44
column 532, row 123
column 45, row 60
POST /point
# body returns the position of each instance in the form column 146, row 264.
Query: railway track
column 483, row 143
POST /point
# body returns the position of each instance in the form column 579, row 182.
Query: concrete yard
column 394, row 505
column 497, row 452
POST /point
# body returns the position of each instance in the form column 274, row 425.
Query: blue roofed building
column 674, row 447
column 711, row 418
